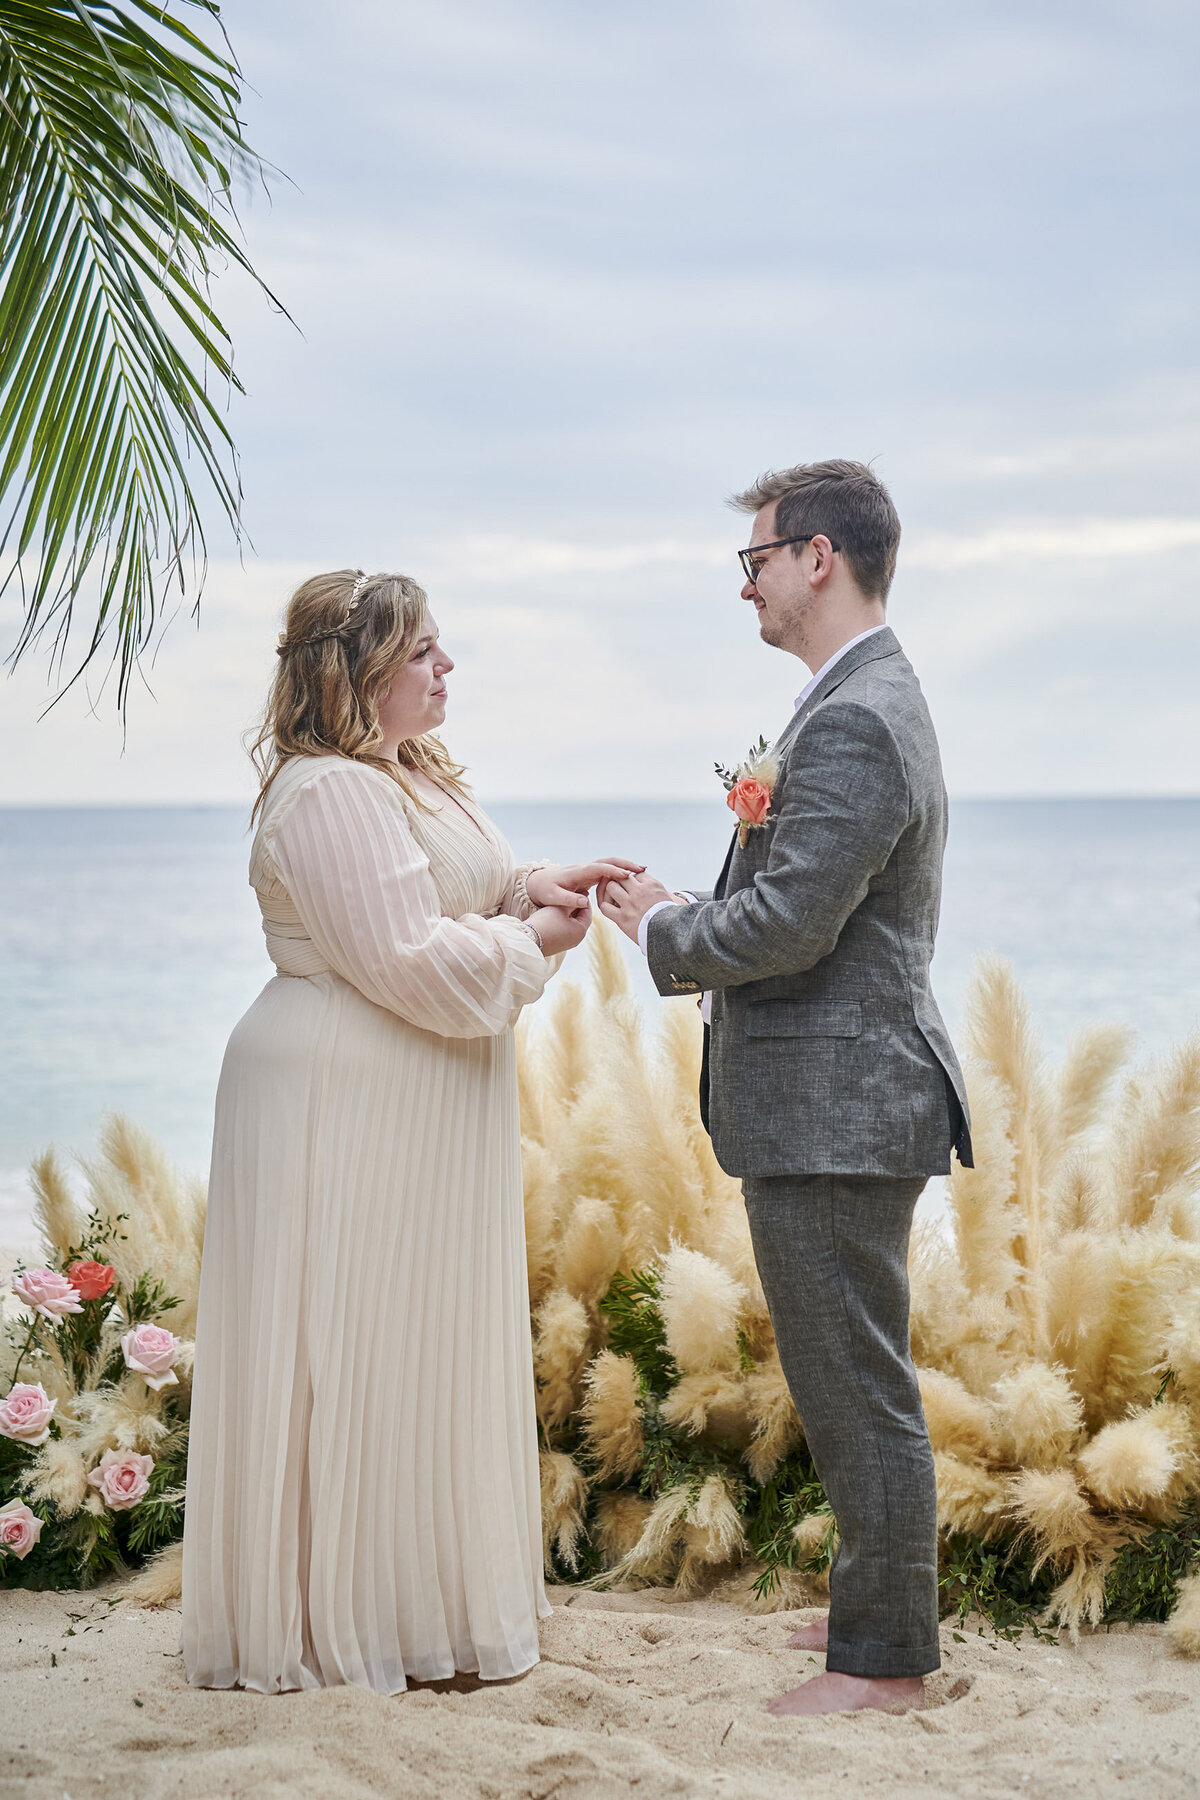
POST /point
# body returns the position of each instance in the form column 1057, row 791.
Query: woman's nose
column 445, row 664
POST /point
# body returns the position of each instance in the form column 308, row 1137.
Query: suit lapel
column 879, row 644
column 719, row 890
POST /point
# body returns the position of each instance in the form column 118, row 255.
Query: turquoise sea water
column 130, row 941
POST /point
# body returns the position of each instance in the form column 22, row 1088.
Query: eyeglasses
column 753, row 559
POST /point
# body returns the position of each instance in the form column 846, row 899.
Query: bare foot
column 834, row 1692
column 811, row 1637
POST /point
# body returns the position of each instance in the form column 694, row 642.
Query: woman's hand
column 567, row 884
column 560, row 928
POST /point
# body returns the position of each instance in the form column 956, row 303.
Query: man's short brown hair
column 843, row 501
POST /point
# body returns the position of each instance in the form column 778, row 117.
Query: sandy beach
column 636, row 1693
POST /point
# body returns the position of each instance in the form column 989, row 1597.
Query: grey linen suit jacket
column 827, row 1052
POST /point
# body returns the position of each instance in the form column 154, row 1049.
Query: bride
column 362, row 1490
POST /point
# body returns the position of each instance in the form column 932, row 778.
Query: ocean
column 130, row 940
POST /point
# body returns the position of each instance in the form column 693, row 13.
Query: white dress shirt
column 690, row 899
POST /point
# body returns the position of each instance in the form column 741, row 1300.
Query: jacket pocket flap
column 801, row 1018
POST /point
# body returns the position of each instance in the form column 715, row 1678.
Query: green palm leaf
column 120, row 149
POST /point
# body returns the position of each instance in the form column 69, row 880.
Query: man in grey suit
column 829, row 1084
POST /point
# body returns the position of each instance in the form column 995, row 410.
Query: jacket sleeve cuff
column 644, row 922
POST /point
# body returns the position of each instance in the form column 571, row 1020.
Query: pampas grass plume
column 1183, row 1626
column 58, row 1474
column 564, row 1497
column 712, row 1534
column 560, row 1347
column 774, row 1423
column 958, row 1421
column 618, row 1524
column 1134, row 1462
column 1057, row 1514
column 708, row 1402
column 590, row 1250
column 700, row 1303
column 59, row 1218
column 611, row 1417
column 160, row 1583
column 971, row 1497
column 1040, row 1415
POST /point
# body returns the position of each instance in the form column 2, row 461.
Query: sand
column 636, row 1694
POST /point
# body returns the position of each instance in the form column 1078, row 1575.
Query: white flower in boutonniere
column 751, row 787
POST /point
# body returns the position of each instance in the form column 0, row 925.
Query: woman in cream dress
column 362, row 1496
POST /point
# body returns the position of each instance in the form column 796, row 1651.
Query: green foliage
column 1143, row 1582
column 636, row 1329
column 120, row 149
column 776, row 1508
column 995, row 1581
column 71, row 1553
column 158, row 1519
column 146, row 1300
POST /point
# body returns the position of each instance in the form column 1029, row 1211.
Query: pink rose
column 123, row 1478
column 149, row 1351
column 48, row 1292
column 20, row 1529
column 750, row 800
column 91, row 1279
column 25, row 1414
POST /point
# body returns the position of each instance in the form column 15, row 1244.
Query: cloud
column 1070, row 540
column 565, row 277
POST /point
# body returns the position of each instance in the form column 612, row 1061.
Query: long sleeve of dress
column 516, row 901
column 362, row 887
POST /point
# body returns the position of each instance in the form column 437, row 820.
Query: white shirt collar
column 837, row 656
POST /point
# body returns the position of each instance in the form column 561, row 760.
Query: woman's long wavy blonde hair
column 339, row 649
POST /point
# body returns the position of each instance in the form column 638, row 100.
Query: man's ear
column 822, row 555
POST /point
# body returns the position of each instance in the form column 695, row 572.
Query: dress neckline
column 447, row 798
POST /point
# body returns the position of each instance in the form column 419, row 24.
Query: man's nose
column 749, row 592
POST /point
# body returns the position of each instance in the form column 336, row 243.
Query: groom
column 829, row 1083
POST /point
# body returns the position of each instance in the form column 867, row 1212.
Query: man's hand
column 567, row 884
column 627, row 902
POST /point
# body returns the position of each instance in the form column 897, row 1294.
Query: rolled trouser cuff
column 882, row 1662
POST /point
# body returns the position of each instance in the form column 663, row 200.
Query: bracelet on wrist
column 534, row 933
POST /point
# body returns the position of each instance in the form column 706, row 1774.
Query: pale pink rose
column 48, row 1292
column 122, row 1477
column 20, row 1529
column 149, row 1351
column 25, row 1413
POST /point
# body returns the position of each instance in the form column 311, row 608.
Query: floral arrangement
column 94, row 1386
column 1055, row 1325
column 750, row 788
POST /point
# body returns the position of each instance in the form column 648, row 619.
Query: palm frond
column 120, row 150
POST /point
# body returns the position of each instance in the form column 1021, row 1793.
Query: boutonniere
column 750, row 787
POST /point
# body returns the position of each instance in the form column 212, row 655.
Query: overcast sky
column 564, row 276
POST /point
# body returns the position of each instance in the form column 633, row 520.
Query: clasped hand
column 560, row 894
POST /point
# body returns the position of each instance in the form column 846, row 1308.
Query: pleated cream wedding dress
column 362, row 1493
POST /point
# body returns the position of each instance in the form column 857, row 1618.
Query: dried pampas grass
column 160, row 1582
column 1055, row 1317
column 1055, row 1322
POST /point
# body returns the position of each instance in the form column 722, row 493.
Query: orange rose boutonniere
column 750, row 788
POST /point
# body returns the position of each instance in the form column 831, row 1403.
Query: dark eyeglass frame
column 751, row 562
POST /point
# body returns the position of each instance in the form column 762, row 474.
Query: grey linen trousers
column 832, row 1252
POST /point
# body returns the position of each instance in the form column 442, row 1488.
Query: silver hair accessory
column 321, row 637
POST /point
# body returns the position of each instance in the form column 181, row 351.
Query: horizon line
column 979, row 799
